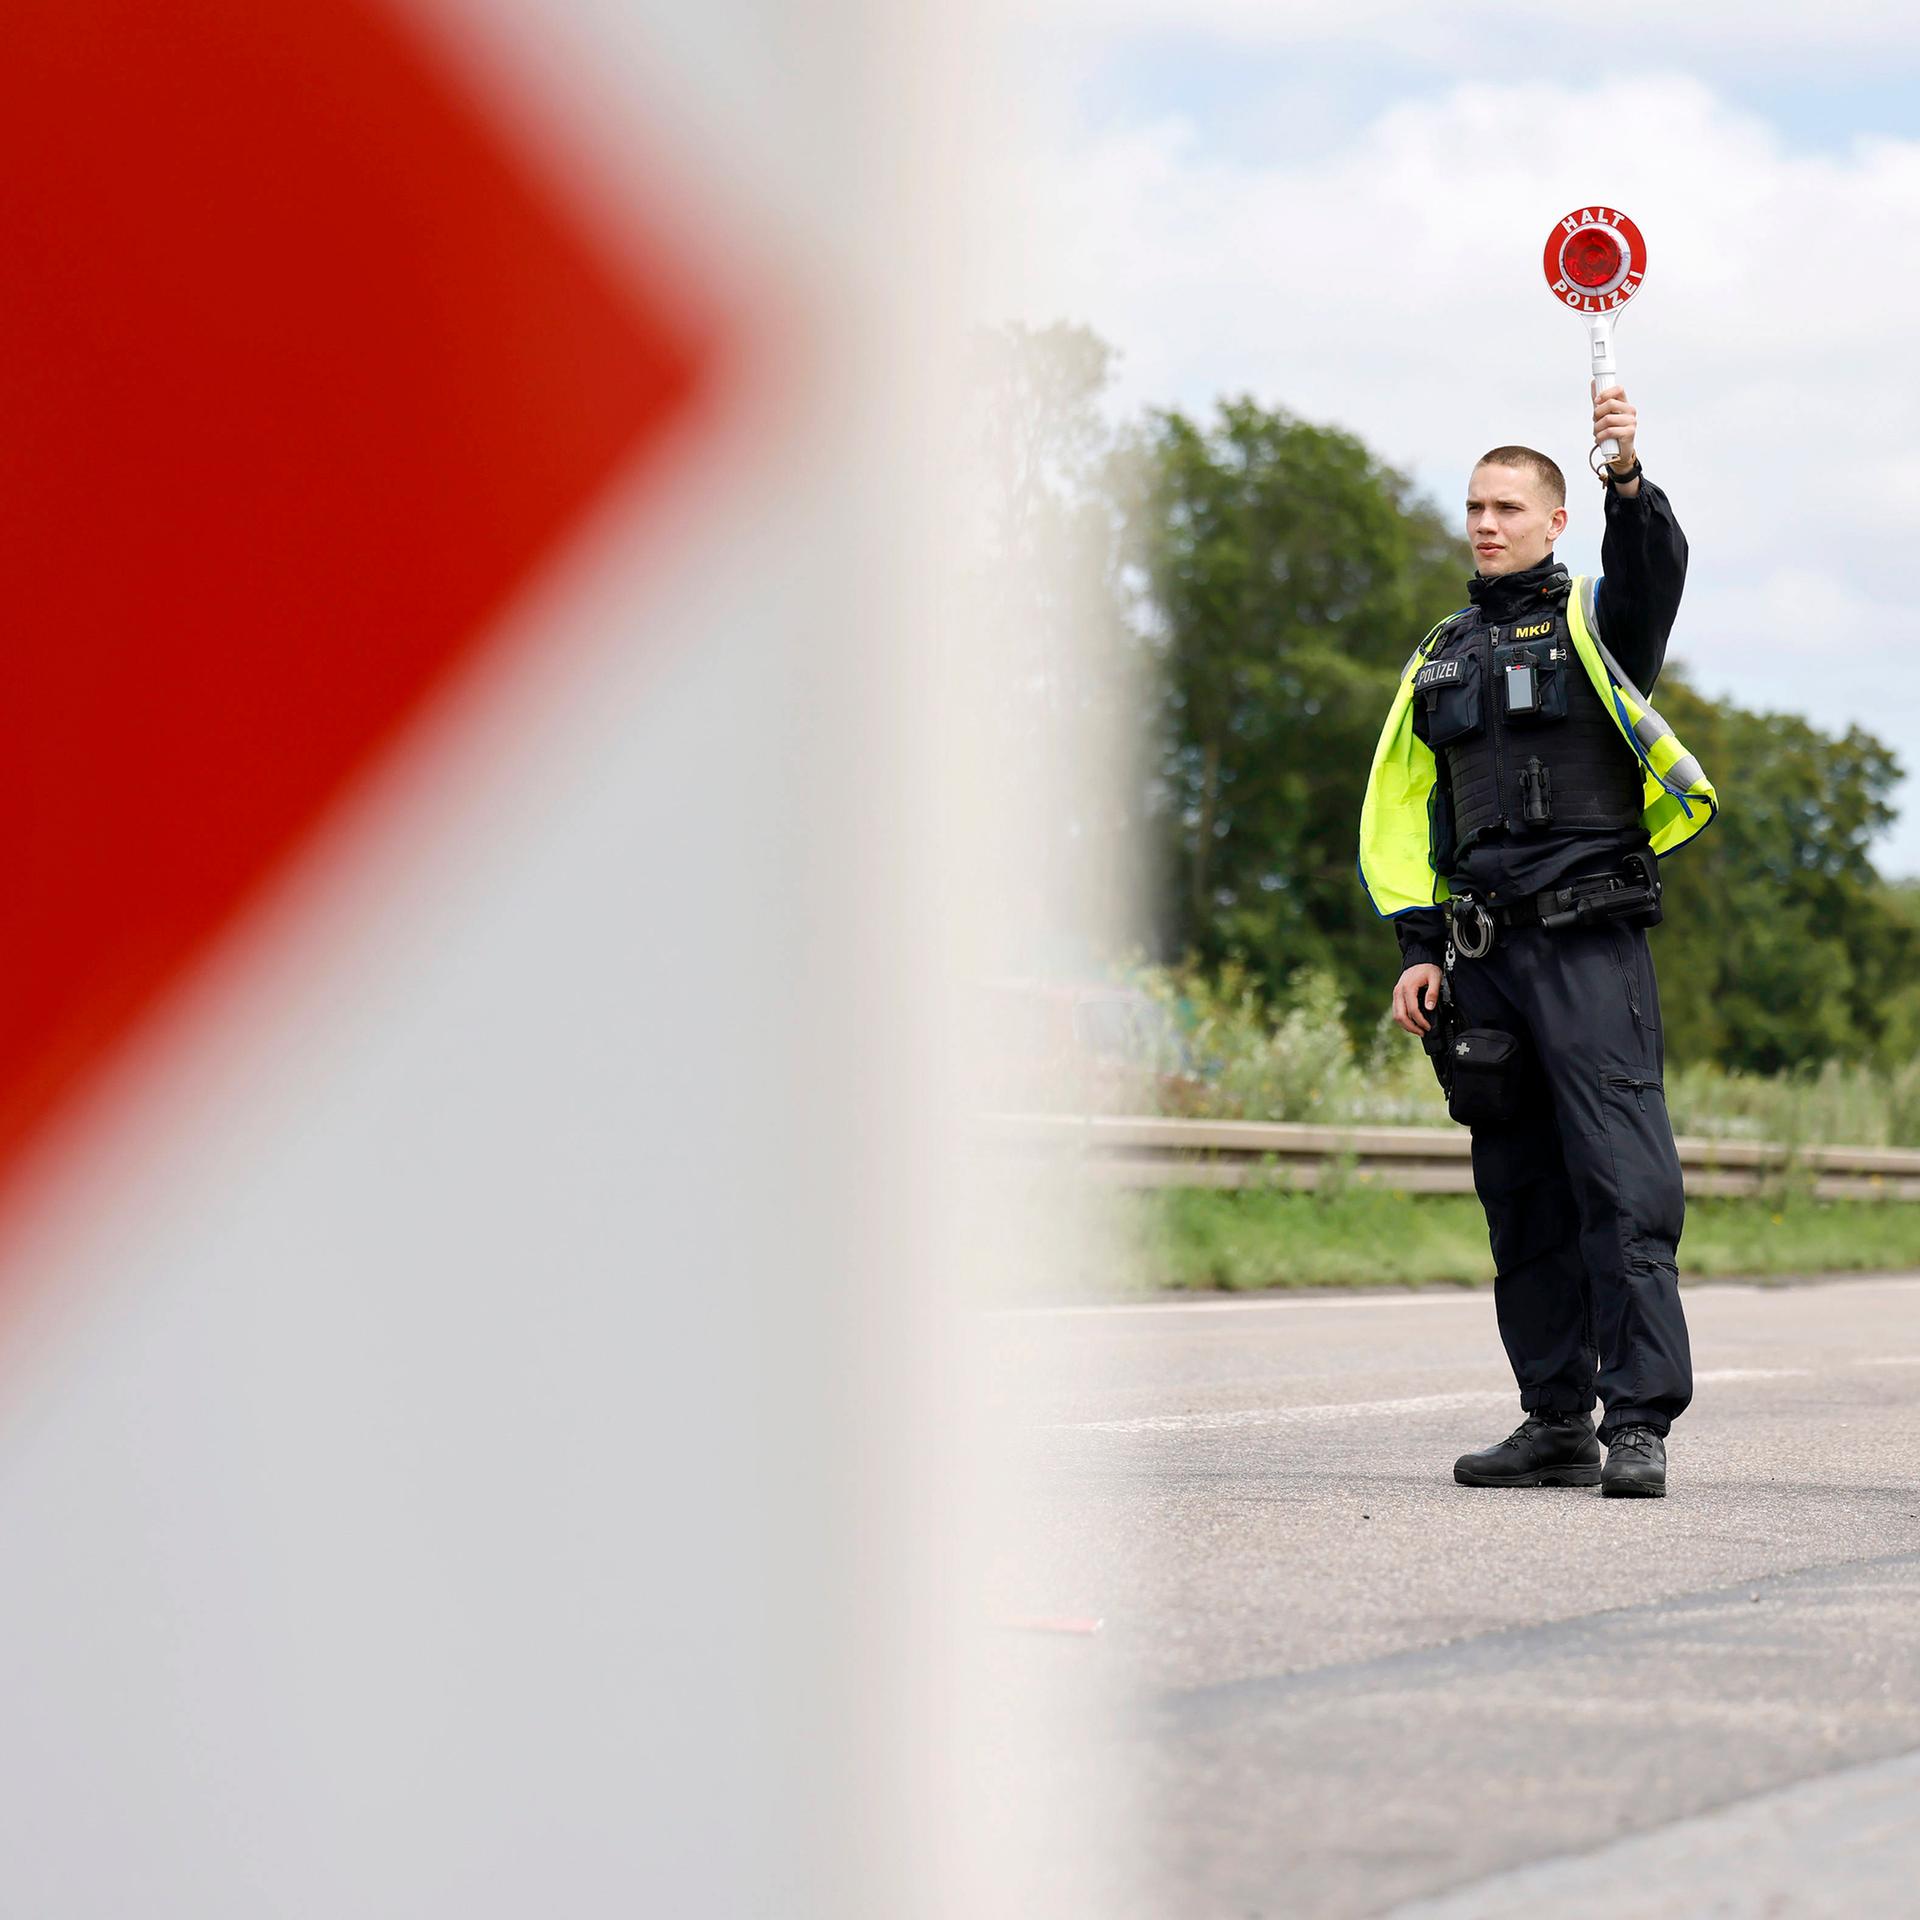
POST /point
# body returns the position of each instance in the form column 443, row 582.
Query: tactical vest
column 1526, row 743
column 1397, row 830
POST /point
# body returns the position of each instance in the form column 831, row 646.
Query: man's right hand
column 1415, row 995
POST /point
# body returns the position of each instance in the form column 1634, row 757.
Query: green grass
column 1362, row 1236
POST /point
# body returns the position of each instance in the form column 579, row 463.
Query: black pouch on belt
column 1483, row 1076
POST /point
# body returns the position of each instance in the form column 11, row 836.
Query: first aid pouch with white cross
column 1482, row 1076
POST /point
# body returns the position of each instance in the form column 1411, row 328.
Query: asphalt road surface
column 1329, row 1681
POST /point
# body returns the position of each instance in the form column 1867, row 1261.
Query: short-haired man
column 1521, row 790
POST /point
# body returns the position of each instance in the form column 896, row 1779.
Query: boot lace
column 1638, row 1440
column 1534, row 1421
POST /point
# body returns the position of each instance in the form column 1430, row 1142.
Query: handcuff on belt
column 1631, row 893
column 1470, row 927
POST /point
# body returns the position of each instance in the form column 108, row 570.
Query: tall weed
column 1242, row 1055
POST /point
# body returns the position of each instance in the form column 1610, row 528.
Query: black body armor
column 1524, row 743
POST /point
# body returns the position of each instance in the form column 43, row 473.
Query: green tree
column 1783, row 946
column 1288, row 573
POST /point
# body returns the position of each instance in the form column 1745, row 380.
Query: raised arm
column 1643, row 555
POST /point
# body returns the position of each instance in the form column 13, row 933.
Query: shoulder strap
column 1433, row 634
column 1588, row 588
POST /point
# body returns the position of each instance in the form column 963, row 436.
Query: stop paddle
column 1596, row 261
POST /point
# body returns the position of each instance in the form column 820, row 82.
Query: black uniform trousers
column 1582, row 1189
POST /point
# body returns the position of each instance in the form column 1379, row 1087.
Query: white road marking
column 1229, row 1420
column 1293, row 1303
column 1701, row 1296
column 1223, row 1422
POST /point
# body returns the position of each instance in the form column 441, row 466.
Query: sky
column 1343, row 214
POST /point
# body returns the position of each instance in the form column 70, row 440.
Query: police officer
column 1521, row 792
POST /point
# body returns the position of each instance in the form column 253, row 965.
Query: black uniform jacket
column 1643, row 560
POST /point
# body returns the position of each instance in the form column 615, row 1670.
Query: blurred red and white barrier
column 457, row 473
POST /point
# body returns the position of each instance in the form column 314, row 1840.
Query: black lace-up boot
column 1636, row 1464
column 1544, row 1450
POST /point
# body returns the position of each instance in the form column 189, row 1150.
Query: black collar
column 1509, row 596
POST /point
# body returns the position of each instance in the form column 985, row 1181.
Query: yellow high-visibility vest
column 1396, row 862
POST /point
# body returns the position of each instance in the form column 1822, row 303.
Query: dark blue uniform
column 1582, row 1186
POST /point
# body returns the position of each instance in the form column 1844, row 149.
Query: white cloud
column 1394, row 286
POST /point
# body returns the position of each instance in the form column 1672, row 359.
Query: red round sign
column 1595, row 260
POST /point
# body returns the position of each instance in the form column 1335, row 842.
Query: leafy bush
column 1241, row 1053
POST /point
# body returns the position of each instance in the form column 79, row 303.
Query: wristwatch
column 1612, row 479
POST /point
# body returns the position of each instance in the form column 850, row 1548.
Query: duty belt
column 1632, row 892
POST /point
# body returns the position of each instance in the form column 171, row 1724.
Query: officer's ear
column 1556, row 525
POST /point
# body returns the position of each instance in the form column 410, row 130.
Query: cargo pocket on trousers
column 1648, row 1190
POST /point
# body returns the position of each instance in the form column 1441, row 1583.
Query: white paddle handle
column 1606, row 372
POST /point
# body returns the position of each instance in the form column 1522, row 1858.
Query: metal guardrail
column 1246, row 1153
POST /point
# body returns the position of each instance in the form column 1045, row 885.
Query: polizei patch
column 1435, row 672
column 1595, row 260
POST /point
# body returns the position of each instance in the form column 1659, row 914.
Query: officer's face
column 1511, row 523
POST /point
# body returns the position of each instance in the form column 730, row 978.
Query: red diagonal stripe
column 299, row 375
